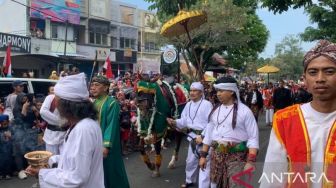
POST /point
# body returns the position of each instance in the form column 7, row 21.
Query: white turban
column 197, row 86
column 228, row 86
column 72, row 88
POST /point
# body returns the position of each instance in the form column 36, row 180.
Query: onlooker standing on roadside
column 11, row 98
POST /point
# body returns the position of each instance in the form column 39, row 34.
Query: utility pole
column 66, row 39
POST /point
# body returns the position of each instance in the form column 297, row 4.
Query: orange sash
column 291, row 130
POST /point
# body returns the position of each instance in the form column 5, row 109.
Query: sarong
column 224, row 166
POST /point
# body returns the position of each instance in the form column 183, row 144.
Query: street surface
column 140, row 177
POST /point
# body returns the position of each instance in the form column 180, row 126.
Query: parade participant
column 109, row 110
column 194, row 118
column 156, row 101
column 282, row 97
column 306, row 133
column 232, row 131
column 268, row 96
column 255, row 101
column 81, row 162
column 55, row 132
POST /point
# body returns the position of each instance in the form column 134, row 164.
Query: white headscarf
column 228, row 86
column 72, row 88
column 197, row 86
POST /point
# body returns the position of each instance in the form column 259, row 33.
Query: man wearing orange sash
column 302, row 147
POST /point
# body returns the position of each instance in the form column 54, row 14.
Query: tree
column 288, row 57
column 233, row 29
column 323, row 13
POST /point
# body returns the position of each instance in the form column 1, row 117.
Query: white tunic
column 195, row 115
column 80, row 164
column 220, row 130
column 51, row 137
column 318, row 127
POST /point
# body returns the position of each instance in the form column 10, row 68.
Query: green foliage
column 168, row 8
column 288, row 57
column 233, row 29
column 322, row 13
column 279, row 6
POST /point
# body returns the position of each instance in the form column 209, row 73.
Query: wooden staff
column 93, row 67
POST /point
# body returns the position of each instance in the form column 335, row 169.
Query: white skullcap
column 197, row 86
column 72, row 88
column 228, row 86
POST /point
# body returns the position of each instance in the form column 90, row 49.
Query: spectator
column 18, row 87
column 5, row 148
column 53, row 76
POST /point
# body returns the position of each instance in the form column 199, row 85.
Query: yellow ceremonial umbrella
column 268, row 69
column 184, row 22
column 209, row 78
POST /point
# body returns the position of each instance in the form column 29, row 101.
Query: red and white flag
column 7, row 62
column 108, row 67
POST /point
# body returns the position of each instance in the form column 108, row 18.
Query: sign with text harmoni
column 18, row 43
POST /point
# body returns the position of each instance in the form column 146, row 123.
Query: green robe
column 114, row 169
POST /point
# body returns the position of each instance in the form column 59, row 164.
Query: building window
column 114, row 42
column 127, row 43
column 98, row 32
column 150, row 47
column 58, row 32
column 92, row 38
column 54, row 31
column 98, row 38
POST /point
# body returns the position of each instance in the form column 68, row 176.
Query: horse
column 156, row 101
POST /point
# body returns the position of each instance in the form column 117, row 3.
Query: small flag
column 118, row 70
column 108, row 68
column 7, row 62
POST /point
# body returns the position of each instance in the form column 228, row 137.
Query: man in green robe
column 108, row 109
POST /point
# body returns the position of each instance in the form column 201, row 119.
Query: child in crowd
column 5, row 148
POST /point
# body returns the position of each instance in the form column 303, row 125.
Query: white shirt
column 246, row 128
column 195, row 115
column 53, row 118
column 9, row 105
column 80, row 164
column 318, row 127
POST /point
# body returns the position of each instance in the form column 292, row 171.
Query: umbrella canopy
column 183, row 22
column 268, row 69
column 209, row 78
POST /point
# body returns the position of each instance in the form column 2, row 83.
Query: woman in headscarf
column 25, row 133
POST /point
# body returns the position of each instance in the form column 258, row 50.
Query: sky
column 292, row 22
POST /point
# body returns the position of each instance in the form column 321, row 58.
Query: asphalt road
column 139, row 176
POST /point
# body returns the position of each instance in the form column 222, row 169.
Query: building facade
column 70, row 33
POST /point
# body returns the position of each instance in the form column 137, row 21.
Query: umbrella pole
column 192, row 48
column 93, row 67
column 268, row 78
column 179, row 66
